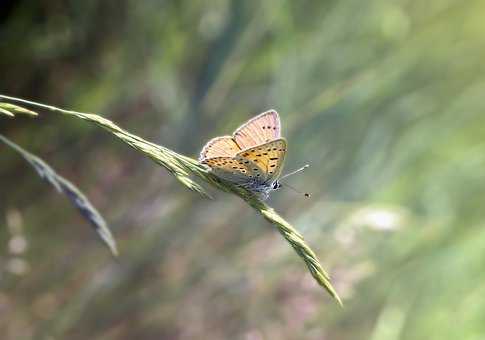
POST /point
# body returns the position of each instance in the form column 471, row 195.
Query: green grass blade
column 76, row 197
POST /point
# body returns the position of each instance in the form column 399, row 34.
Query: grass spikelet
column 184, row 168
column 10, row 110
column 77, row 198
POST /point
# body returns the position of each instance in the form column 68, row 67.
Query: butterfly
column 252, row 157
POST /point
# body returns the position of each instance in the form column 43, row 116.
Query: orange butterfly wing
column 264, row 161
column 230, row 169
column 256, row 150
column 261, row 129
column 224, row 146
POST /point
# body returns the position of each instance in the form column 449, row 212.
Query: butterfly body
column 252, row 157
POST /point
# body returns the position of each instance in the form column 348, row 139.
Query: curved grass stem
column 184, row 168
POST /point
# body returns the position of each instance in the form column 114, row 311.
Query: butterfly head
column 275, row 185
column 261, row 189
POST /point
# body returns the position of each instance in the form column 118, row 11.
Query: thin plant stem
column 185, row 168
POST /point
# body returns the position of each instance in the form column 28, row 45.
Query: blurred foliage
column 383, row 98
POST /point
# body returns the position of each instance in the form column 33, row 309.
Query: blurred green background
column 385, row 100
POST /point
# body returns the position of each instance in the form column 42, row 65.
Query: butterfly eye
column 275, row 185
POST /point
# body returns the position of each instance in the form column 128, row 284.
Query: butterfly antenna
column 295, row 172
column 306, row 194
